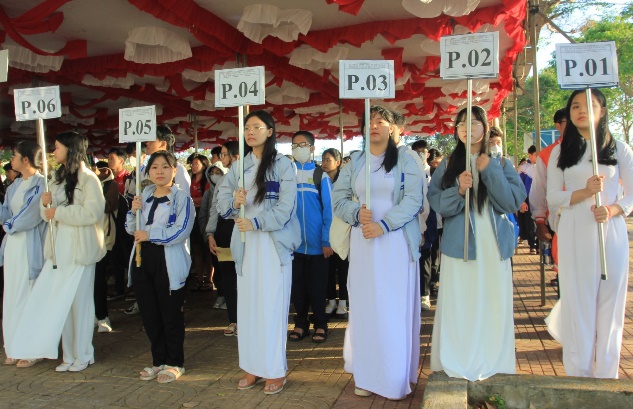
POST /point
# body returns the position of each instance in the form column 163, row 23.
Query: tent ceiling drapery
column 81, row 45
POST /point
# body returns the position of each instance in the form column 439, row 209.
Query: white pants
column 79, row 326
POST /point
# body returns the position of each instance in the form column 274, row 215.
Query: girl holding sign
column 23, row 243
column 383, row 280
column 61, row 303
column 264, row 261
column 589, row 318
column 167, row 219
column 473, row 333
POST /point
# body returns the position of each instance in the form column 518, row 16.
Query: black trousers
column 161, row 308
column 120, row 260
column 309, row 283
column 225, row 272
column 337, row 275
column 436, row 257
column 101, row 287
column 527, row 229
column 425, row 272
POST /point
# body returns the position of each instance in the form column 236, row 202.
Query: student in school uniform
column 21, row 254
column 263, row 262
column 381, row 345
column 588, row 320
column 167, row 219
column 61, row 303
column 473, row 333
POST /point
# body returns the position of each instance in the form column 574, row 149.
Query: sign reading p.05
column 137, row 124
column 470, row 56
column 359, row 79
column 37, row 103
column 593, row 65
column 240, row 86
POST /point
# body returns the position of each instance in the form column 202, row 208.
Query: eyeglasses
column 474, row 124
column 254, row 128
column 300, row 145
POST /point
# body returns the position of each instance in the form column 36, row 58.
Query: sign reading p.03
column 137, row 124
column 37, row 103
column 587, row 65
column 470, row 56
column 359, row 79
column 240, row 86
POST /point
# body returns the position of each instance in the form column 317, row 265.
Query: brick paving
column 316, row 378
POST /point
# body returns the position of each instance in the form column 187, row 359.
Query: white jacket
column 85, row 214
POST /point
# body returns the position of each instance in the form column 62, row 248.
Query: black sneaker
column 130, row 297
column 115, row 296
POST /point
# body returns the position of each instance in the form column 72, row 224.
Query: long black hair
column 391, row 154
column 336, row 155
column 204, row 161
column 573, row 146
column 268, row 154
column 69, row 172
column 456, row 163
column 32, row 151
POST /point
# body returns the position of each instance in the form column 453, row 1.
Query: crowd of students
column 266, row 234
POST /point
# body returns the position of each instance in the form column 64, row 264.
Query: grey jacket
column 28, row 220
column 505, row 194
column 279, row 214
column 407, row 198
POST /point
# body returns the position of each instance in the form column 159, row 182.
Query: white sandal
column 152, row 373
column 172, row 373
column 231, row 330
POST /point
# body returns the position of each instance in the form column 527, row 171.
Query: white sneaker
column 104, row 325
column 330, row 307
column 218, row 303
column 132, row 309
column 425, row 303
column 341, row 311
column 223, row 306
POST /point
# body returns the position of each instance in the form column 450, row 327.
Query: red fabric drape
column 348, row 6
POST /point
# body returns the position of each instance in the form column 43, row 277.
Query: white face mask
column 301, row 155
column 215, row 178
column 496, row 150
column 132, row 161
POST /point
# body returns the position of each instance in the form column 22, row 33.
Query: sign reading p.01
column 37, row 103
column 470, row 56
column 360, row 79
column 137, row 124
column 240, row 86
column 587, row 65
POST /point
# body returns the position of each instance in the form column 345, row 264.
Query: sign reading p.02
column 137, row 124
column 37, row 103
column 470, row 56
column 359, row 79
column 240, row 86
column 587, row 65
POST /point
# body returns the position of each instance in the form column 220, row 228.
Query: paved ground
column 315, row 379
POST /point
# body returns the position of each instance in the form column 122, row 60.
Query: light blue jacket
column 28, row 220
column 407, row 199
column 279, row 214
column 174, row 236
column 313, row 211
column 505, row 194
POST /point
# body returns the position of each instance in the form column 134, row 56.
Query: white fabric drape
column 261, row 20
column 24, row 59
column 433, row 8
column 154, row 45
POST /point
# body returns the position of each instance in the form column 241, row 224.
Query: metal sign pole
column 469, row 113
column 42, row 140
column 594, row 163
column 367, row 152
column 340, row 125
column 138, row 193
column 240, row 139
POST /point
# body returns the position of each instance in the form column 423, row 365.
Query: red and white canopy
column 108, row 55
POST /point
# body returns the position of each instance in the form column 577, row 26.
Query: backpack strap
column 317, row 176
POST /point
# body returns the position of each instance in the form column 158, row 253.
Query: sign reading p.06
column 359, row 79
column 593, row 65
column 240, row 86
column 37, row 103
column 137, row 124
column 470, row 56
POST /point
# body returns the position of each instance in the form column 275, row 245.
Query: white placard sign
column 137, row 124
column 37, row 103
column 240, row 86
column 4, row 65
column 587, row 65
column 360, row 79
column 470, row 56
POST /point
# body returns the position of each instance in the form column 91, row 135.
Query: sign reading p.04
column 470, row 56
column 240, row 86
column 593, row 65
column 37, row 103
column 359, row 79
column 137, row 124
